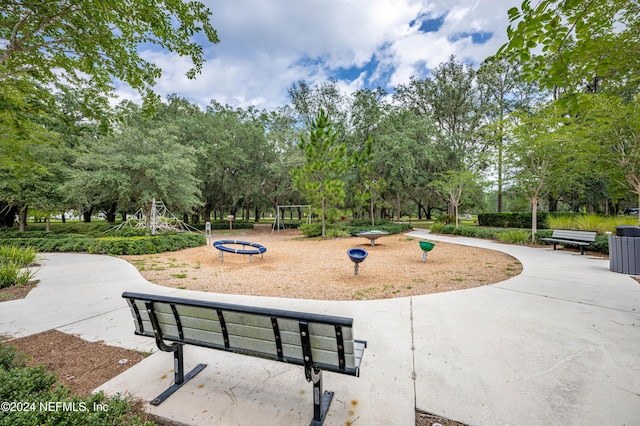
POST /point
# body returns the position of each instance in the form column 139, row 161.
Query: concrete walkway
column 557, row 345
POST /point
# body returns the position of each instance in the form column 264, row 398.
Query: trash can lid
column 628, row 231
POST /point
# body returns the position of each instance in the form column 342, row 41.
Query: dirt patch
column 16, row 291
column 320, row 269
column 79, row 365
column 428, row 419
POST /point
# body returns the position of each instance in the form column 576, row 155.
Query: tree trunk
column 534, row 218
column 428, row 211
column 23, row 218
column 638, row 191
column 48, row 223
column 373, row 221
column 455, row 213
column 64, row 217
column 111, row 214
column 323, row 220
column 147, row 217
column 86, row 215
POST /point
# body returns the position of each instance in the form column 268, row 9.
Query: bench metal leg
column 321, row 400
column 179, row 377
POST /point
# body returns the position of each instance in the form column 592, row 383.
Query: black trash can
column 624, row 250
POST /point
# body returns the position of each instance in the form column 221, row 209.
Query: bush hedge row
column 146, row 245
column 58, row 229
column 512, row 220
column 97, row 229
column 113, row 245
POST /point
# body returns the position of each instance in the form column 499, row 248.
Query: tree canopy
column 584, row 44
column 87, row 44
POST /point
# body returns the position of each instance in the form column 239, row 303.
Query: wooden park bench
column 316, row 342
column 576, row 238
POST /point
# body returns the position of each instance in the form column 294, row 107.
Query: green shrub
column 31, row 386
column 311, row 230
column 437, row 227
column 515, row 236
column 591, row 222
column 118, row 246
column 588, row 222
column 561, row 222
column 600, row 245
column 467, row 231
column 51, row 244
column 10, row 358
column 512, row 220
column 95, row 229
column 543, row 233
column 448, row 229
column 446, row 219
column 112, row 245
column 127, row 231
column 13, row 261
column 12, row 275
column 291, row 224
column 337, row 233
column 21, row 256
column 488, row 233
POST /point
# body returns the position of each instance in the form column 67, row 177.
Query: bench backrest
column 565, row 234
column 288, row 336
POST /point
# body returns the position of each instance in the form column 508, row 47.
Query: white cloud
column 267, row 45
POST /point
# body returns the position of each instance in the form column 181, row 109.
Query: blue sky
column 267, row 45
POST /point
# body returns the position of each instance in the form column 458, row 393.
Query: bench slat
column 560, row 241
column 203, row 336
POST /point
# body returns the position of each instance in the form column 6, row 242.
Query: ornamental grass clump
column 13, row 265
column 591, row 222
column 515, row 236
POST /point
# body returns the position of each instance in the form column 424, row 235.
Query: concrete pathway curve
column 558, row 344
